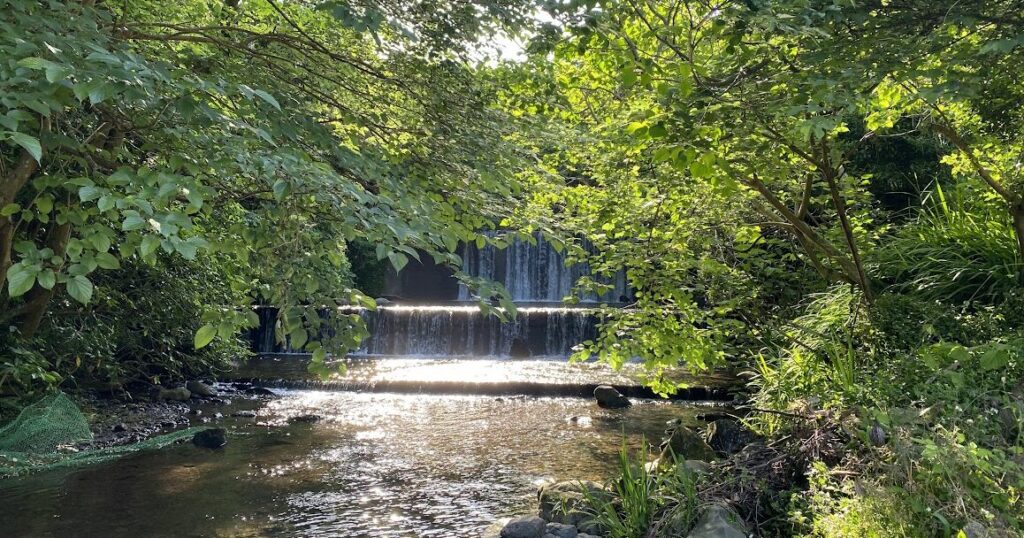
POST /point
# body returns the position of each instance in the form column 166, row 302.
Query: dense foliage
column 828, row 194
column 259, row 136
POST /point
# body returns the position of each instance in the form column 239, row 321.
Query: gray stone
column 199, row 388
column 524, row 527
column 1009, row 419
column 245, row 413
column 718, row 521
column 686, row 444
column 727, row 436
column 179, row 394
column 210, row 438
column 973, row 529
column 565, row 502
column 609, row 398
column 561, row 530
column 585, row 535
column 494, row 529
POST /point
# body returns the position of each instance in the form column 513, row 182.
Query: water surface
column 375, row 465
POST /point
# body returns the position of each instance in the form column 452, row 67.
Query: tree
column 270, row 132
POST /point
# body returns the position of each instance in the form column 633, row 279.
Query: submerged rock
column 199, row 388
column 565, row 502
column 686, row 444
column 524, row 527
column 560, row 530
column 210, row 438
column 609, row 398
column 179, row 394
column 304, row 419
column 718, row 521
column 727, row 436
column 494, row 529
column 245, row 413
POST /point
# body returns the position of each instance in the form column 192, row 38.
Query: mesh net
column 44, row 434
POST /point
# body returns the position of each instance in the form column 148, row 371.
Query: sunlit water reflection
column 378, row 465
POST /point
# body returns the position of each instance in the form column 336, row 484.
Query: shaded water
column 378, row 465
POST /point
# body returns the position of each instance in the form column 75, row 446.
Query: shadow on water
column 376, row 464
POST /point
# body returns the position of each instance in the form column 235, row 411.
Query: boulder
column 718, row 521
column 210, row 438
column 524, row 527
column 304, row 419
column 686, row 444
column 179, row 394
column 245, row 413
column 609, row 398
column 199, row 388
column 565, row 502
column 727, row 436
column 560, row 530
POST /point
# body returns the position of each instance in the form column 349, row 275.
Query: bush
column 141, row 324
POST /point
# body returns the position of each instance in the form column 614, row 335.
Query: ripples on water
column 378, row 465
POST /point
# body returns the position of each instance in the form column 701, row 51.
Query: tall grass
column 961, row 248
column 639, row 498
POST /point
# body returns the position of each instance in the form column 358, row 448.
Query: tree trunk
column 39, row 297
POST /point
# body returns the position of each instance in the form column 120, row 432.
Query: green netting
column 43, row 435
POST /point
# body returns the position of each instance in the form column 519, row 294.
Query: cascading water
column 534, row 272
column 535, row 275
column 465, row 331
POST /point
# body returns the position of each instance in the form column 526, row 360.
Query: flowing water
column 441, row 440
column 376, row 465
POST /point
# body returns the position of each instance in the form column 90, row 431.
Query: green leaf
column 19, row 280
column 995, row 358
column 80, row 288
column 28, row 143
column 298, row 338
column 9, row 210
column 280, row 189
column 133, row 222
column 149, row 245
column 268, row 98
column 47, row 279
column 107, row 260
column 398, row 260
column 319, row 356
column 204, row 336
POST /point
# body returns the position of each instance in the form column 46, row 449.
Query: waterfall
column 534, row 272
column 458, row 331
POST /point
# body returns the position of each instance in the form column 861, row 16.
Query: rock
column 561, row 530
column 494, row 529
column 1008, row 422
column 973, row 529
column 119, row 427
column 201, row 389
column 524, row 527
column 696, row 466
column 520, row 348
column 259, row 391
column 727, row 436
column 718, row 521
column 876, row 435
column 210, row 438
column 245, row 413
column 609, row 398
column 564, row 502
column 180, row 394
column 585, row 535
column 382, row 301
column 686, row 444
column 304, row 419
